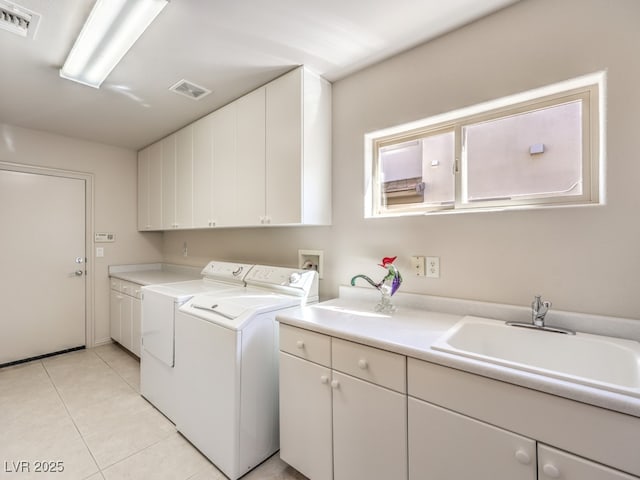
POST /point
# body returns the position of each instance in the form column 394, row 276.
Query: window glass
column 542, row 147
column 418, row 172
column 531, row 154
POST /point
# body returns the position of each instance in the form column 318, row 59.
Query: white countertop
column 410, row 331
column 155, row 273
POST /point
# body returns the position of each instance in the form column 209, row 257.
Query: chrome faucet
column 539, row 309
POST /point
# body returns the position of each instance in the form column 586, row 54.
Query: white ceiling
column 228, row 46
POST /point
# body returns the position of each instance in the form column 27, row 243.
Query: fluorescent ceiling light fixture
column 110, row 31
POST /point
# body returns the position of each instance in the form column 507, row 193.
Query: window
column 534, row 149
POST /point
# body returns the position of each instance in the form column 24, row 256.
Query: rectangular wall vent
column 190, row 89
column 18, row 20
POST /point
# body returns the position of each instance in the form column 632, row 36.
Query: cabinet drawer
column 554, row 463
column 135, row 290
column 115, row 284
column 374, row 365
column 128, row 288
column 125, row 287
column 311, row 346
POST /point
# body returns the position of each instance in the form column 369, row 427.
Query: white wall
column 114, row 187
column 582, row 259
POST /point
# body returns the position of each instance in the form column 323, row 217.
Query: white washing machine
column 227, row 373
column 159, row 306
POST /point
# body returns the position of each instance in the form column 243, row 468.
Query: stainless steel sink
column 604, row 362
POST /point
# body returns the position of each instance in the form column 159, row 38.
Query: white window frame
column 589, row 89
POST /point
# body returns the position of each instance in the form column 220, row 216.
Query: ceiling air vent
column 190, row 89
column 18, row 20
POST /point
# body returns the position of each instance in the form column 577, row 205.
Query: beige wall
column 114, row 187
column 582, row 259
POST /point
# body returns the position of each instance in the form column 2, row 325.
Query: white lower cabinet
column 369, row 430
column 352, row 412
column 125, row 314
column 444, row 445
column 553, row 463
column 305, row 417
column 115, row 309
column 332, row 424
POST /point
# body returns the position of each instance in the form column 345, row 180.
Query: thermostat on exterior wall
column 105, row 237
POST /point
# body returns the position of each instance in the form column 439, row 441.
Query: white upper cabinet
column 203, row 172
column 264, row 159
column 298, row 149
column 169, row 182
column 250, row 158
column 184, row 178
column 224, row 187
column 143, row 189
column 150, row 187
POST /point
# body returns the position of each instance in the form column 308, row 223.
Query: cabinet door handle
column 363, row 364
column 551, row 471
column 335, row 384
column 324, row 379
column 300, row 344
column 523, row 457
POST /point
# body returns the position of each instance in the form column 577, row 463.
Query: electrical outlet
column 417, row 266
column 433, row 267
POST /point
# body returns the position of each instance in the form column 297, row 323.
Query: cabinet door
column 251, row 158
column 155, row 186
column 369, row 431
column 444, row 445
column 224, row 166
column 143, row 189
column 184, row 177
column 554, row 463
column 305, row 417
column 284, row 149
column 169, row 181
column 202, row 172
column 136, row 325
column 126, row 331
column 115, row 305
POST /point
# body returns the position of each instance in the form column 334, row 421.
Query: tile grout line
column 116, row 372
column 66, row 408
column 101, row 470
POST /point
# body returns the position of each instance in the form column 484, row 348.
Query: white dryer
column 227, row 373
column 159, row 305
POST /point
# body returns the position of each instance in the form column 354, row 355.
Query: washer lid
column 225, row 309
column 233, row 306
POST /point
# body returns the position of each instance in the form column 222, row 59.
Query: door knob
column 78, row 273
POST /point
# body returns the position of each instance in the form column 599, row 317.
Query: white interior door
column 42, row 282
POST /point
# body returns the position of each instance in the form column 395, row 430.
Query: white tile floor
column 84, row 409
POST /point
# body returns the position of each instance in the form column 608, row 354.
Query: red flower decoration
column 387, row 260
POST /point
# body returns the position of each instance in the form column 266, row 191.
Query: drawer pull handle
column 363, row 364
column 523, row 457
column 551, row 471
column 335, row 384
column 300, row 344
column 324, row 379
